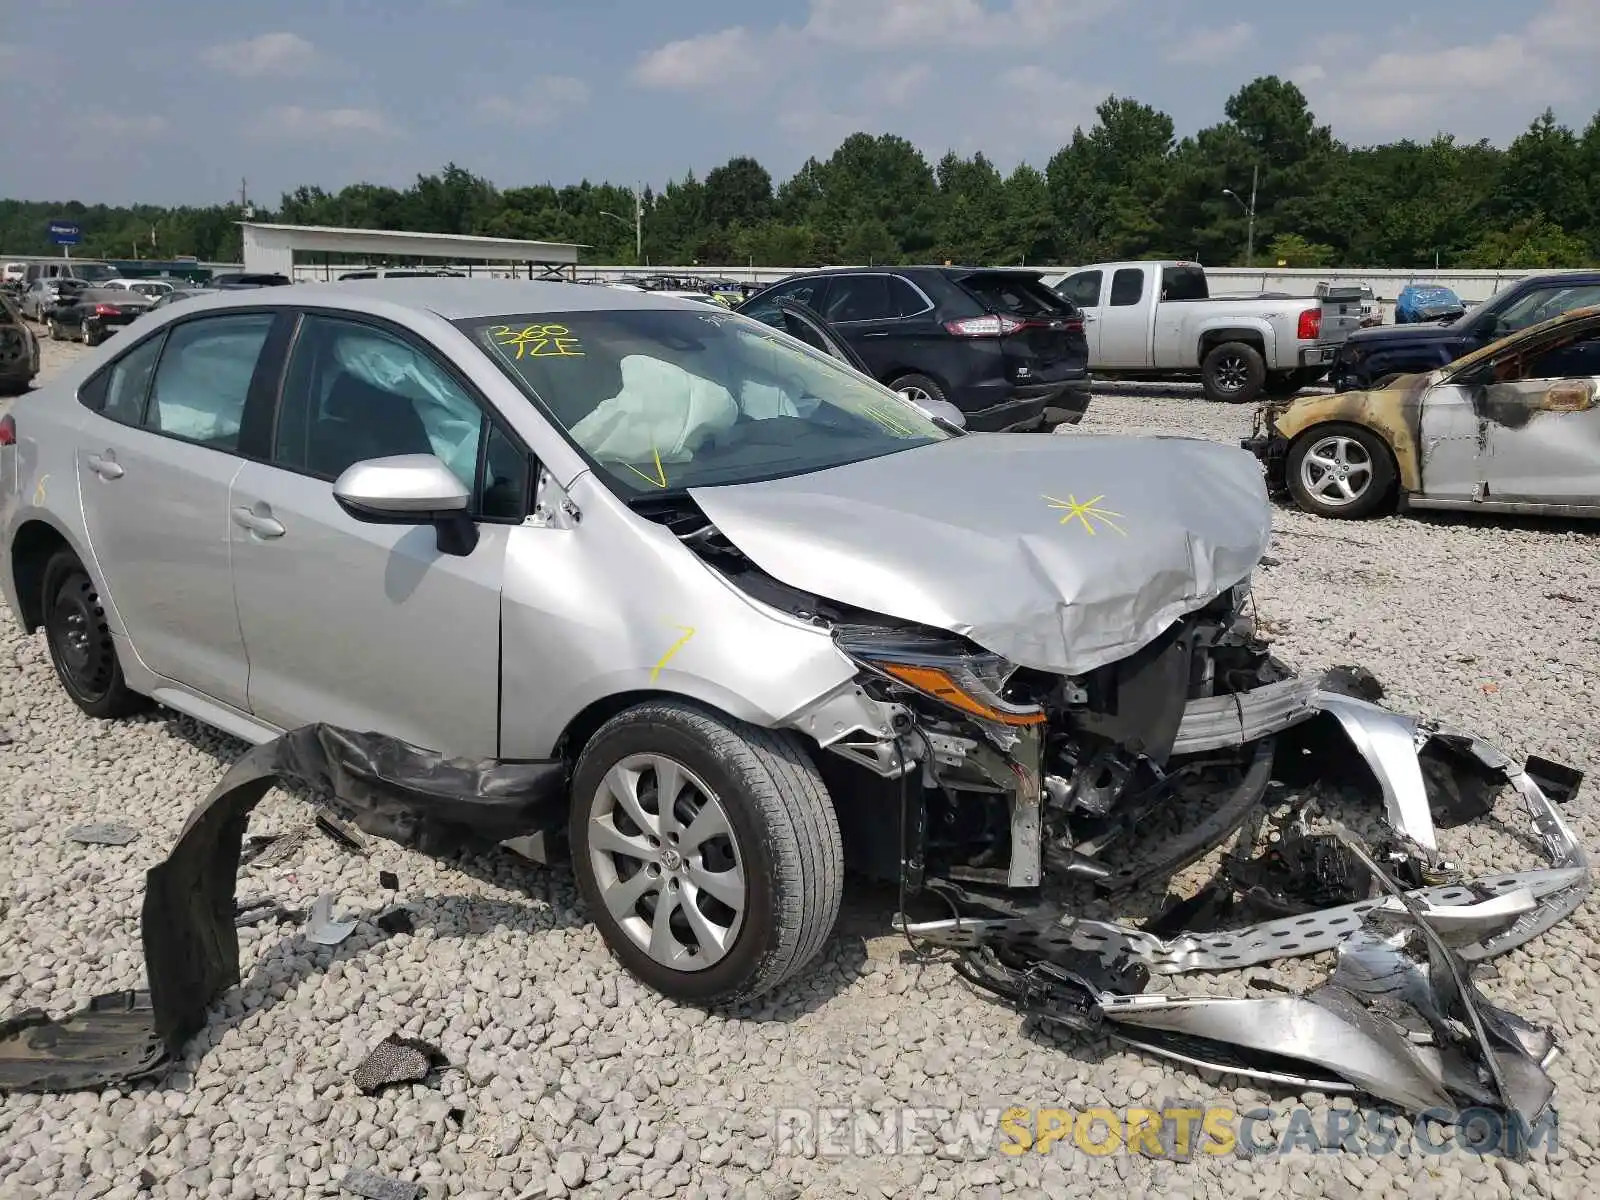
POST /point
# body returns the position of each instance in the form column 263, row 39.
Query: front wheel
column 81, row 646
column 707, row 851
column 55, row 330
column 1340, row 471
column 1233, row 373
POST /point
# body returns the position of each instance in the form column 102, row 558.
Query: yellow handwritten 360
column 539, row 341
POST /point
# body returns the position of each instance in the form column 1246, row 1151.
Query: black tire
column 1374, row 496
column 920, row 382
column 783, row 830
column 81, row 646
column 1233, row 373
column 90, row 338
column 54, row 330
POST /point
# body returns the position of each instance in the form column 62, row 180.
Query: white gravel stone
column 576, row 1079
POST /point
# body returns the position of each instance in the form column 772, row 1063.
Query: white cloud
column 268, row 54
column 293, row 123
column 1053, row 104
column 125, row 126
column 897, row 88
column 895, row 24
column 1210, row 45
column 542, row 101
column 710, row 59
column 1545, row 62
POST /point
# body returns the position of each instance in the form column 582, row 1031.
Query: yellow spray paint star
column 1086, row 513
column 688, row 632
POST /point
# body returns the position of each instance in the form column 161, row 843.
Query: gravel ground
column 571, row 1078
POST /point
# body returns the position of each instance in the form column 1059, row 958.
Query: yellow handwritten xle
column 1086, row 513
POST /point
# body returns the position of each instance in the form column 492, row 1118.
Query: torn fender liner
column 191, row 945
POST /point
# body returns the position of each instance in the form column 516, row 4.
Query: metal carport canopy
column 270, row 248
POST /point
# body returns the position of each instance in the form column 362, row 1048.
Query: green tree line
column 1127, row 187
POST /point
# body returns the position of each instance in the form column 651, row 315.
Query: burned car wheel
column 1340, row 471
column 707, row 851
column 81, row 647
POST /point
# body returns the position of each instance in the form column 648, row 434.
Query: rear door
column 155, row 463
column 889, row 322
column 1051, row 345
column 1125, row 325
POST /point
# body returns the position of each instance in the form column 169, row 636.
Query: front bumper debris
column 1399, row 1017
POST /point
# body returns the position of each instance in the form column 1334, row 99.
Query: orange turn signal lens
column 943, row 687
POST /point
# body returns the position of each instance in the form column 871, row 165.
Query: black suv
column 999, row 345
column 1370, row 359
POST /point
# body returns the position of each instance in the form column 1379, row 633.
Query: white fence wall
column 1385, row 284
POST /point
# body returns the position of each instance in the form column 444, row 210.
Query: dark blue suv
column 999, row 345
column 1372, row 358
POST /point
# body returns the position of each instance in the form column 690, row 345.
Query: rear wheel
column 55, row 330
column 82, row 649
column 90, row 338
column 707, row 851
column 1233, row 373
column 918, row 389
column 1340, row 471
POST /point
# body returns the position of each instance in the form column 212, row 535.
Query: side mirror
column 944, row 410
column 410, row 489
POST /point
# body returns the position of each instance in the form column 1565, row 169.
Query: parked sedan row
column 90, row 315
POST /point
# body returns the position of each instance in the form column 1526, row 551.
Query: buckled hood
column 1061, row 553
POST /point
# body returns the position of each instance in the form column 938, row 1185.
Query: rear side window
column 1018, row 295
column 904, row 299
column 204, row 378
column 1184, row 283
column 1127, row 287
column 118, row 392
column 1083, row 289
column 860, row 298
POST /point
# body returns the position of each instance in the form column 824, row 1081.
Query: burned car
column 700, row 597
column 1511, row 428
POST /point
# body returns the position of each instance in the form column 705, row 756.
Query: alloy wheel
column 1337, row 470
column 664, row 855
column 916, row 395
column 1232, row 373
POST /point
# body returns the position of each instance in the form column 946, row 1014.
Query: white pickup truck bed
column 1152, row 320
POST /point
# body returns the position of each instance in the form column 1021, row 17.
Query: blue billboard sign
column 65, row 233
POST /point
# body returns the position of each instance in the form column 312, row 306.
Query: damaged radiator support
column 1399, row 1018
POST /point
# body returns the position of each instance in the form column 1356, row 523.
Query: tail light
column 1074, row 325
column 1310, row 325
column 107, row 310
column 8, row 430
column 993, row 325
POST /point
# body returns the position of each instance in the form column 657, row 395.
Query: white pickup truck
column 1158, row 320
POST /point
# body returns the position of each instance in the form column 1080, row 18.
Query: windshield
column 666, row 399
column 96, row 272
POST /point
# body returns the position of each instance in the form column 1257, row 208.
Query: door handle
column 257, row 524
column 1089, row 318
column 105, row 466
column 880, row 334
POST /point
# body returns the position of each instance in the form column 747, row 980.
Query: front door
column 1083, row 290
column 1125, row 330
column 1541, row 422
column 154, row 467
column 365, row 626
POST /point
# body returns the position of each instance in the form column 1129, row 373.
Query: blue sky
column 173, row 101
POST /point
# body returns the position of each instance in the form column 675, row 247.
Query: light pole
column 1250, row 212
column 638, row 224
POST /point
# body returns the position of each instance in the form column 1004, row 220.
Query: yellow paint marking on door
column 688, row 632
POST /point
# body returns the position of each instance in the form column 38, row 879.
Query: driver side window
column 1573, row 358
column 355, row 391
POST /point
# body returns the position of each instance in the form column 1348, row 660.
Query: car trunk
column 1049, row 346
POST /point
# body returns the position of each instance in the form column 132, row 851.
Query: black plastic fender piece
column 191, row 945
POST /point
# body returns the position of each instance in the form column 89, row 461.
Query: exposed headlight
column 943, row 669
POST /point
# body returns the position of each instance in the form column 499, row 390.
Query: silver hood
column 1061, row 553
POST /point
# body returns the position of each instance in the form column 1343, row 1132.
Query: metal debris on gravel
column 582, row 1082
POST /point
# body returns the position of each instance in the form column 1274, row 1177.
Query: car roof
column 452, row 299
